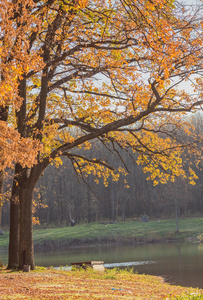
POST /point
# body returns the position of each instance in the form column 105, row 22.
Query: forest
column 62, row 195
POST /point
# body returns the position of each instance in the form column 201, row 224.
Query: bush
column 200, row 238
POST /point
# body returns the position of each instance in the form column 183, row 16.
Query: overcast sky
column 193, row 2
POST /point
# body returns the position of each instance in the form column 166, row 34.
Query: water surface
column 178, row 263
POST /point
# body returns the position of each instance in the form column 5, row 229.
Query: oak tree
column 14, row 61
column 109, row 71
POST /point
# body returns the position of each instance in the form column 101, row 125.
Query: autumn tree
column 14, row 62
column 110, row 71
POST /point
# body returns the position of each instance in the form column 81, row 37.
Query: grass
column 4, row 240
column 129, row 231
column 190, row 297
column 110, row 285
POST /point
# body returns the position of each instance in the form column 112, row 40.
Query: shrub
column 200, row 238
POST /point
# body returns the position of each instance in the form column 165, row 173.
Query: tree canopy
column 15, row 61
column 99, row 70
column 107, row 70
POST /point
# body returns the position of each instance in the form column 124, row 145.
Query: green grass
column 190, row 297
column 129, row 231
column 4, row 240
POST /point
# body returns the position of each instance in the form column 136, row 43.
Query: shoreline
column 68, row 245
column 86, row 244
column 120, row 233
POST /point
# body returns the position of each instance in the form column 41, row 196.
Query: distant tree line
column 61, row 194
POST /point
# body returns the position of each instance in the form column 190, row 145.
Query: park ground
column 88, row 284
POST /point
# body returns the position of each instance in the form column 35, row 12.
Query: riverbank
column 81, row 235
column 52, row 284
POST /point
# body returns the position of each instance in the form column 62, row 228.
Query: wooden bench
column 95, row 265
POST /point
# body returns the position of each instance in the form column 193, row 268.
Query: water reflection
column 178, row 263
column 128, row 264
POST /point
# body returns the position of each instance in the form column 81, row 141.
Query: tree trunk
column 21, row 232
column 176, row 214
column 18, row 180
column 4, row 118
column 124, row 209
column 89, row 204
column 13, row 235
column 13, row 259
column 26, row 249
column 27, row 186
column 112, row 203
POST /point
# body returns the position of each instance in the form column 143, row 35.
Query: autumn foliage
column 52, row 284
column 15, row 61
column 92, row 71
column 15, row 148
column 78, row 72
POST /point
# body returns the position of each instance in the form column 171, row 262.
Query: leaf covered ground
column 112, row 284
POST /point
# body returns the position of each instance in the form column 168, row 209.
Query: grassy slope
column 110, row 285
column 129, row 231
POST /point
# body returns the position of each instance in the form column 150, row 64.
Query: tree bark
column 26, row 248
column 18, row 180
column 14, row 235
column 21, row 232
column 13, row 259
column 27, row 186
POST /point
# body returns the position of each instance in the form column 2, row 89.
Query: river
column 179, row 263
